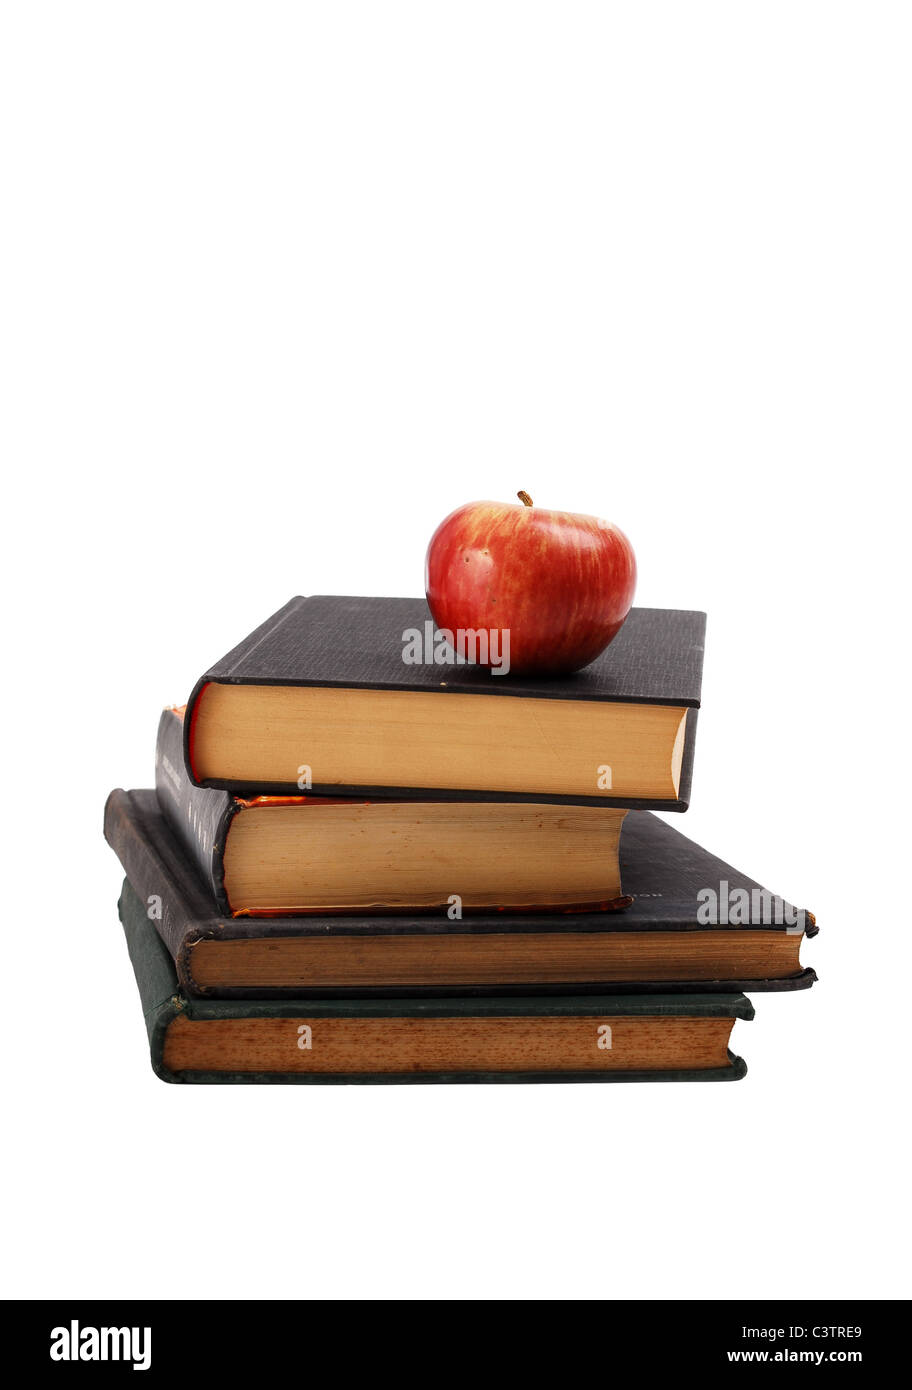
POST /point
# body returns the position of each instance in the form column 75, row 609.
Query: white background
column 281, row 286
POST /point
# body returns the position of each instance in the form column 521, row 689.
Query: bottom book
column 399, row 1041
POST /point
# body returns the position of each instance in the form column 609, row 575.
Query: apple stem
column 524, row 498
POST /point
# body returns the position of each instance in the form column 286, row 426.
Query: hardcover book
column 363, row 1041
column 301, row 854
column 695, row 925
column 360, row 696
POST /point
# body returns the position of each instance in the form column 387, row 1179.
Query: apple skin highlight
column 562, row 584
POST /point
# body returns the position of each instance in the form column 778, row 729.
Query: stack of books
column 359, row 866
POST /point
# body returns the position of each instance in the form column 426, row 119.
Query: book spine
column 156, row 979
column 150, row 875
column 199, row 816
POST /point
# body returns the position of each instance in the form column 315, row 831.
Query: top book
column 363, row 696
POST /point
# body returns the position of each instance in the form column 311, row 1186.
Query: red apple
column 561, row 584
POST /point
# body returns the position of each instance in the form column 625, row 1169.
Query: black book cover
column 354, row 642
column 162, row 1002
column 664, row 870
